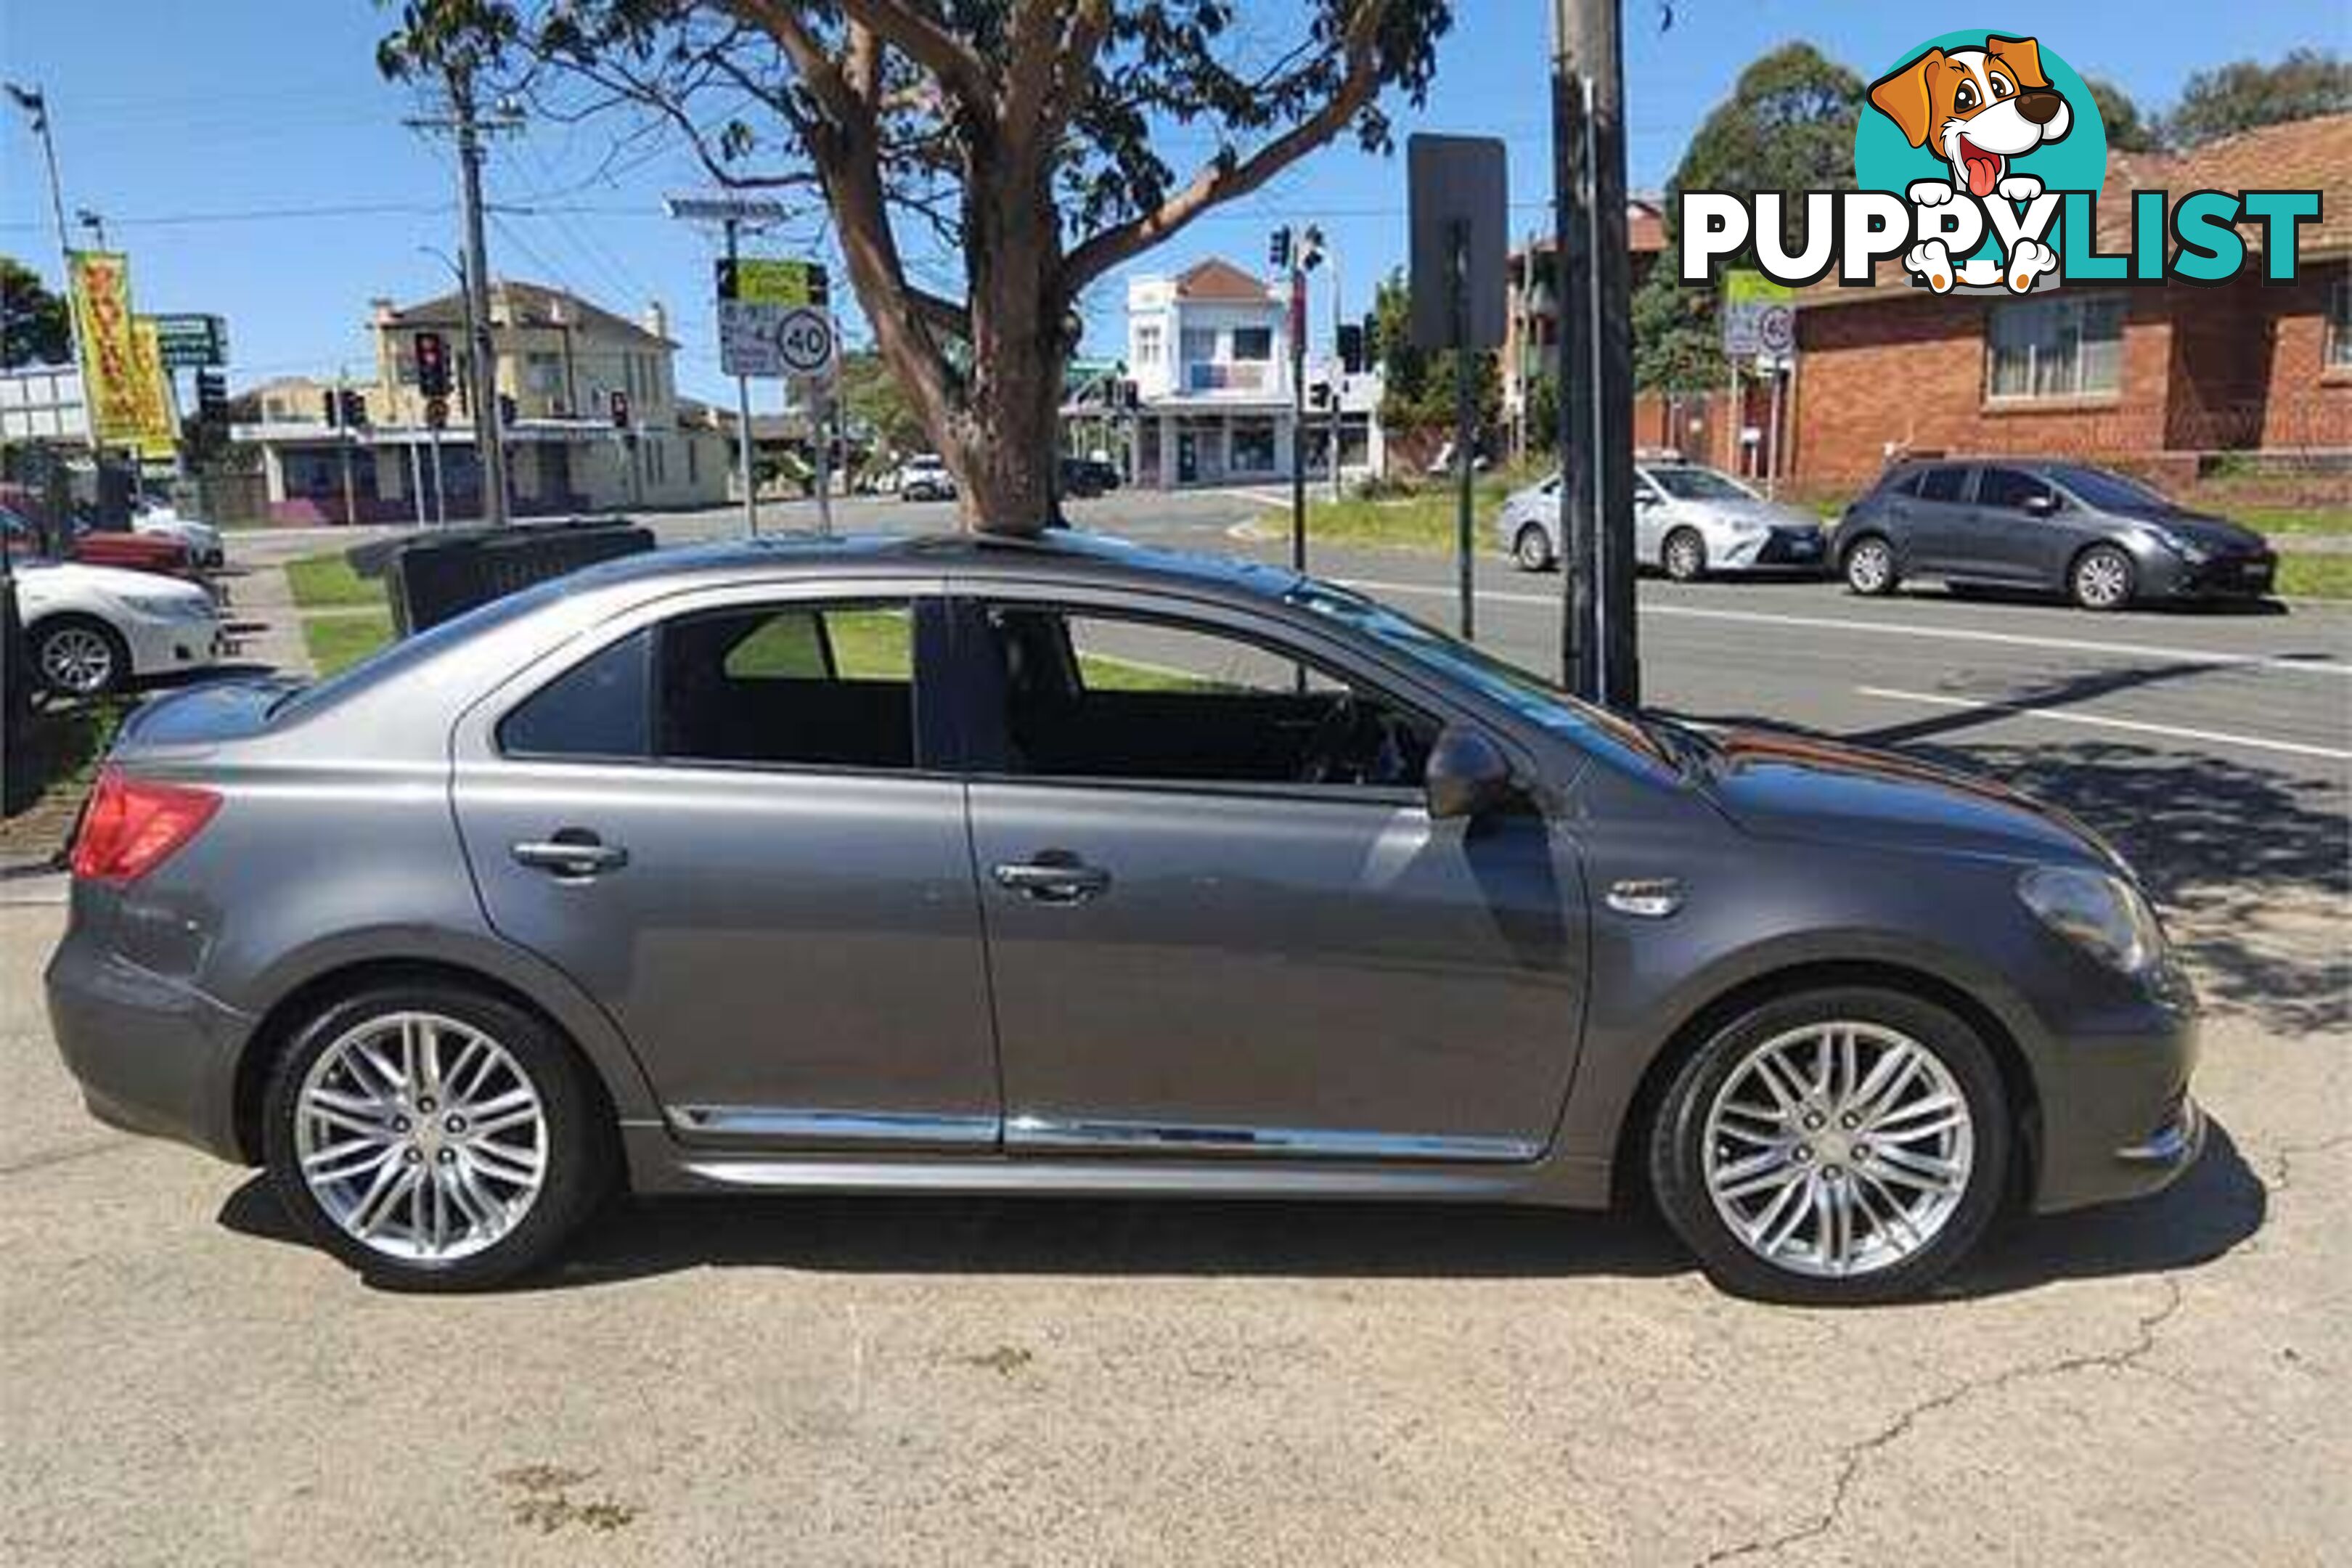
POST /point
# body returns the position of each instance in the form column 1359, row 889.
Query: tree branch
column 930, row 45
column 1228, row 177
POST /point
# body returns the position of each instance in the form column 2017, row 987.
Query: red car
column 106, row 547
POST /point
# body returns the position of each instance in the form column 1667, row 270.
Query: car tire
column 1795, row 1204
column 1869, row 567
column 1532, row 548
column 1683, row 556
column 2102, row 578
column 80, row 656
column 325, row 1115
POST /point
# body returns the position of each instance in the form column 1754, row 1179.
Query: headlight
column 2102, row 914
column 2188, row 550
column 170, row 606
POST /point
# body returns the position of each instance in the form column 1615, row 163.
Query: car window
column 2009, row 488
column 826, row 685
column 1699, row 484
column 598, row 708
column 1102, row 696
column 1942, row 483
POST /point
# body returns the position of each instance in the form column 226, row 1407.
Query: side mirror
column 1467, row 775
column 1645, row 498
column 2041, row 504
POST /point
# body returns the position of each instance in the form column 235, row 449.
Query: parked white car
column 95, row 629
column 206, row 547
column 926, row 477
column 1688, row 522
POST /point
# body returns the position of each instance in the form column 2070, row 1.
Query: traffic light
column 352, row 408
column 1352, row 347
column 1277, row 250
column 620, row 408
column 432, row 355
column 212, row 397
column 820, row 286
column 1319, row 395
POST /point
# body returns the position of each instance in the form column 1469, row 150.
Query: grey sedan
column 1689, row 523
column 1071, row 867
column 2103, row 540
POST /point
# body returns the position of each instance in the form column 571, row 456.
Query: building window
column 1147, row 342
column 2339, row 323
column 1253, row 446
column 2054, row 348
column 1252, row 343
column 543, row 374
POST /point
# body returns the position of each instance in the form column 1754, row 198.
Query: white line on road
column 2105, row 721
column 1889, row 629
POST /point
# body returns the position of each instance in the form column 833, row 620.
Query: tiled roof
column 2298, row 155
column 515, row 302
column 1217, row 278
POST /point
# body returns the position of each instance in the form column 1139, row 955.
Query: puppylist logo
column 1980, row 156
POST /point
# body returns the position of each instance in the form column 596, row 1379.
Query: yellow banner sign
column 130, row 399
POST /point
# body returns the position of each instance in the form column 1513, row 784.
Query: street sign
column 793, row 343
column 726, row 209
column 1753, row 307
column 192, row 343
column 761, row 280
column 1457, row 197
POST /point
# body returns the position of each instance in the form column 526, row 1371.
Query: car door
column 1938, row 534
column 1652, row 512
column 729, row 824
column 1198, row 948
column 2022, row 519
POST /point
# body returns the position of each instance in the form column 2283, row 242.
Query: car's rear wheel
column 1833, row 1147
column 435, row 1137
column 1684, row 555
column 1870, row 567
column 79, row 657
column 1532, row 548
column 2102, row 578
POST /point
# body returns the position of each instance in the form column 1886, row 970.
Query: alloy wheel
column 1870, row 569
column 1838, row 1148
column 1534, row 550
column 1685, row 556
column 77, row 660
column 2103, row 579
column 421, row 1137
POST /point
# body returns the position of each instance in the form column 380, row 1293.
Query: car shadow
column 2214, row 1207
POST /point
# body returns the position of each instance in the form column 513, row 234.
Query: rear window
column 828, row 685
column 598, row 708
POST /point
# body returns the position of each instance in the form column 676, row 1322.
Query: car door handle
column 570, row 853
column 1052, row 879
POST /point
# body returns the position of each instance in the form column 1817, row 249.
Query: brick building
column 2171, row 382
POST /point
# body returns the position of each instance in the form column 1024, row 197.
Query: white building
column 1209, row 351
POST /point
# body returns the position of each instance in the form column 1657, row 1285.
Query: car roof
column 1075, row 553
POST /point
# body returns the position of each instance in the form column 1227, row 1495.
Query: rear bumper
column 162, row 645
column 153, row 1054
column 2117, row 1118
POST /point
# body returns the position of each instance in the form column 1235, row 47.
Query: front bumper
column 2221, row 577
column 2118, row 1117
column 153, row 1054
column 1781, row 550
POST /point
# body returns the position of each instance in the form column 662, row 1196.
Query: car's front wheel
column 2102, row 578
column 1532, row 548
column 79, row 657
column 435, row 1137
column 1870, row 567
column 1833, row 1147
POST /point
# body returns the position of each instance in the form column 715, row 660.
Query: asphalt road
column 914, row 1381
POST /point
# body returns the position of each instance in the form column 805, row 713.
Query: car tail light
column 133, row 826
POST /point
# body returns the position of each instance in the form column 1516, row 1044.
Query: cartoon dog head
column 1979, row 108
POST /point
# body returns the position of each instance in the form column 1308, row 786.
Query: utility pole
column 1599, row 655
column 743, row 413
column 489, row 440
column 1340, row 381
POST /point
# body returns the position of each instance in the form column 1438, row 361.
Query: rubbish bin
column 431, row 578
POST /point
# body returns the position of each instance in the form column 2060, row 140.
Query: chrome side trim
column 831, row 1126
column 1045, row 1132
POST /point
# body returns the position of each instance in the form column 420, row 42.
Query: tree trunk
column 1004, row 443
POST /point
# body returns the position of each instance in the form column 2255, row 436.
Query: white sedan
column 1688, row 522
column 94, row 629
column 205, row 548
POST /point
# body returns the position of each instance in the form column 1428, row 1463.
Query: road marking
column 2105, row 721
column 1889, row 629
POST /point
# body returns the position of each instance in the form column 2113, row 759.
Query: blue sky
column 249, row 157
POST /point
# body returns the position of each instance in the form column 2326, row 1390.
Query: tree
column 32, row 328
column 870, row 395
column 1789, row 125
column 1417, row 385
column 2239, row 97
column 1016, row 134
column 2128, row 130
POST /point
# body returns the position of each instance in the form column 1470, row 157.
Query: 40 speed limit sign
column 793, row 343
